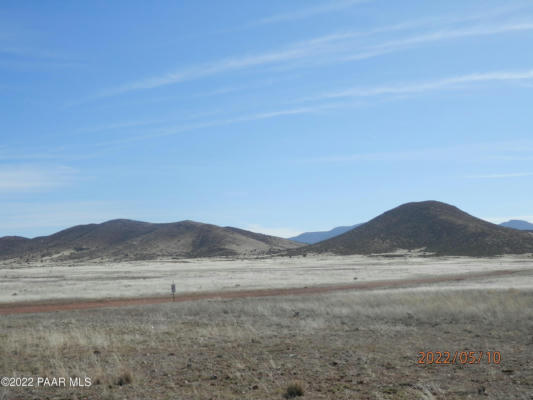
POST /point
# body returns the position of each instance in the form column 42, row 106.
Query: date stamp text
column 459, row 357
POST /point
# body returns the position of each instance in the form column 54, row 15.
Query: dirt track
column 77, row 304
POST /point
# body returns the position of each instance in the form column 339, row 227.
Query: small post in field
column 173, row 290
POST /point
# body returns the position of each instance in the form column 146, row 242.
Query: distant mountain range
column 315, row 237
column 518, row 224
column 431, row 226
column 124, row 239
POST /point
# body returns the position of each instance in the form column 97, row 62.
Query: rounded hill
column 431, row 226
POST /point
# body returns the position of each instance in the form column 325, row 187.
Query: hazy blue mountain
column 315, row 237
column 518, row 224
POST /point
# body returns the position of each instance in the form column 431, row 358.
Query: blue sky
column 278, row 117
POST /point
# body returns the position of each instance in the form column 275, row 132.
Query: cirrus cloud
column 16, row 178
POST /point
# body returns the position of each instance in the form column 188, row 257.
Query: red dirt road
column 80, row 304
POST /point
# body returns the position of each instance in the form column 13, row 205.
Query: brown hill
column 134, row 240
column 433, row 226
column 11, row 243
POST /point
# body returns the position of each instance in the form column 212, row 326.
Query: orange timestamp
column 459, row 357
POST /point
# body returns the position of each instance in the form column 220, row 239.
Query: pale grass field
column 347, row 345
column 38, row 281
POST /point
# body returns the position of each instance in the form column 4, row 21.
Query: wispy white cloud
column 208, row 69
column 174, row 130
column 44, row 157
column 420, row 87
column 338, row 47
column 24, row 178
column 354, row 97
column 353, row 93
column 430, row 37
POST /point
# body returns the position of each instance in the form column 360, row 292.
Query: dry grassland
column 349, row 345
column 41, row 281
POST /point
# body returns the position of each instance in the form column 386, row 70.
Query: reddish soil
column 81, row 304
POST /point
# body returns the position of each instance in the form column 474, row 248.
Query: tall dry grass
column 255, row 343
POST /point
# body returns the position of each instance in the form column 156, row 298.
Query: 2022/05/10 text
column 459, row 357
